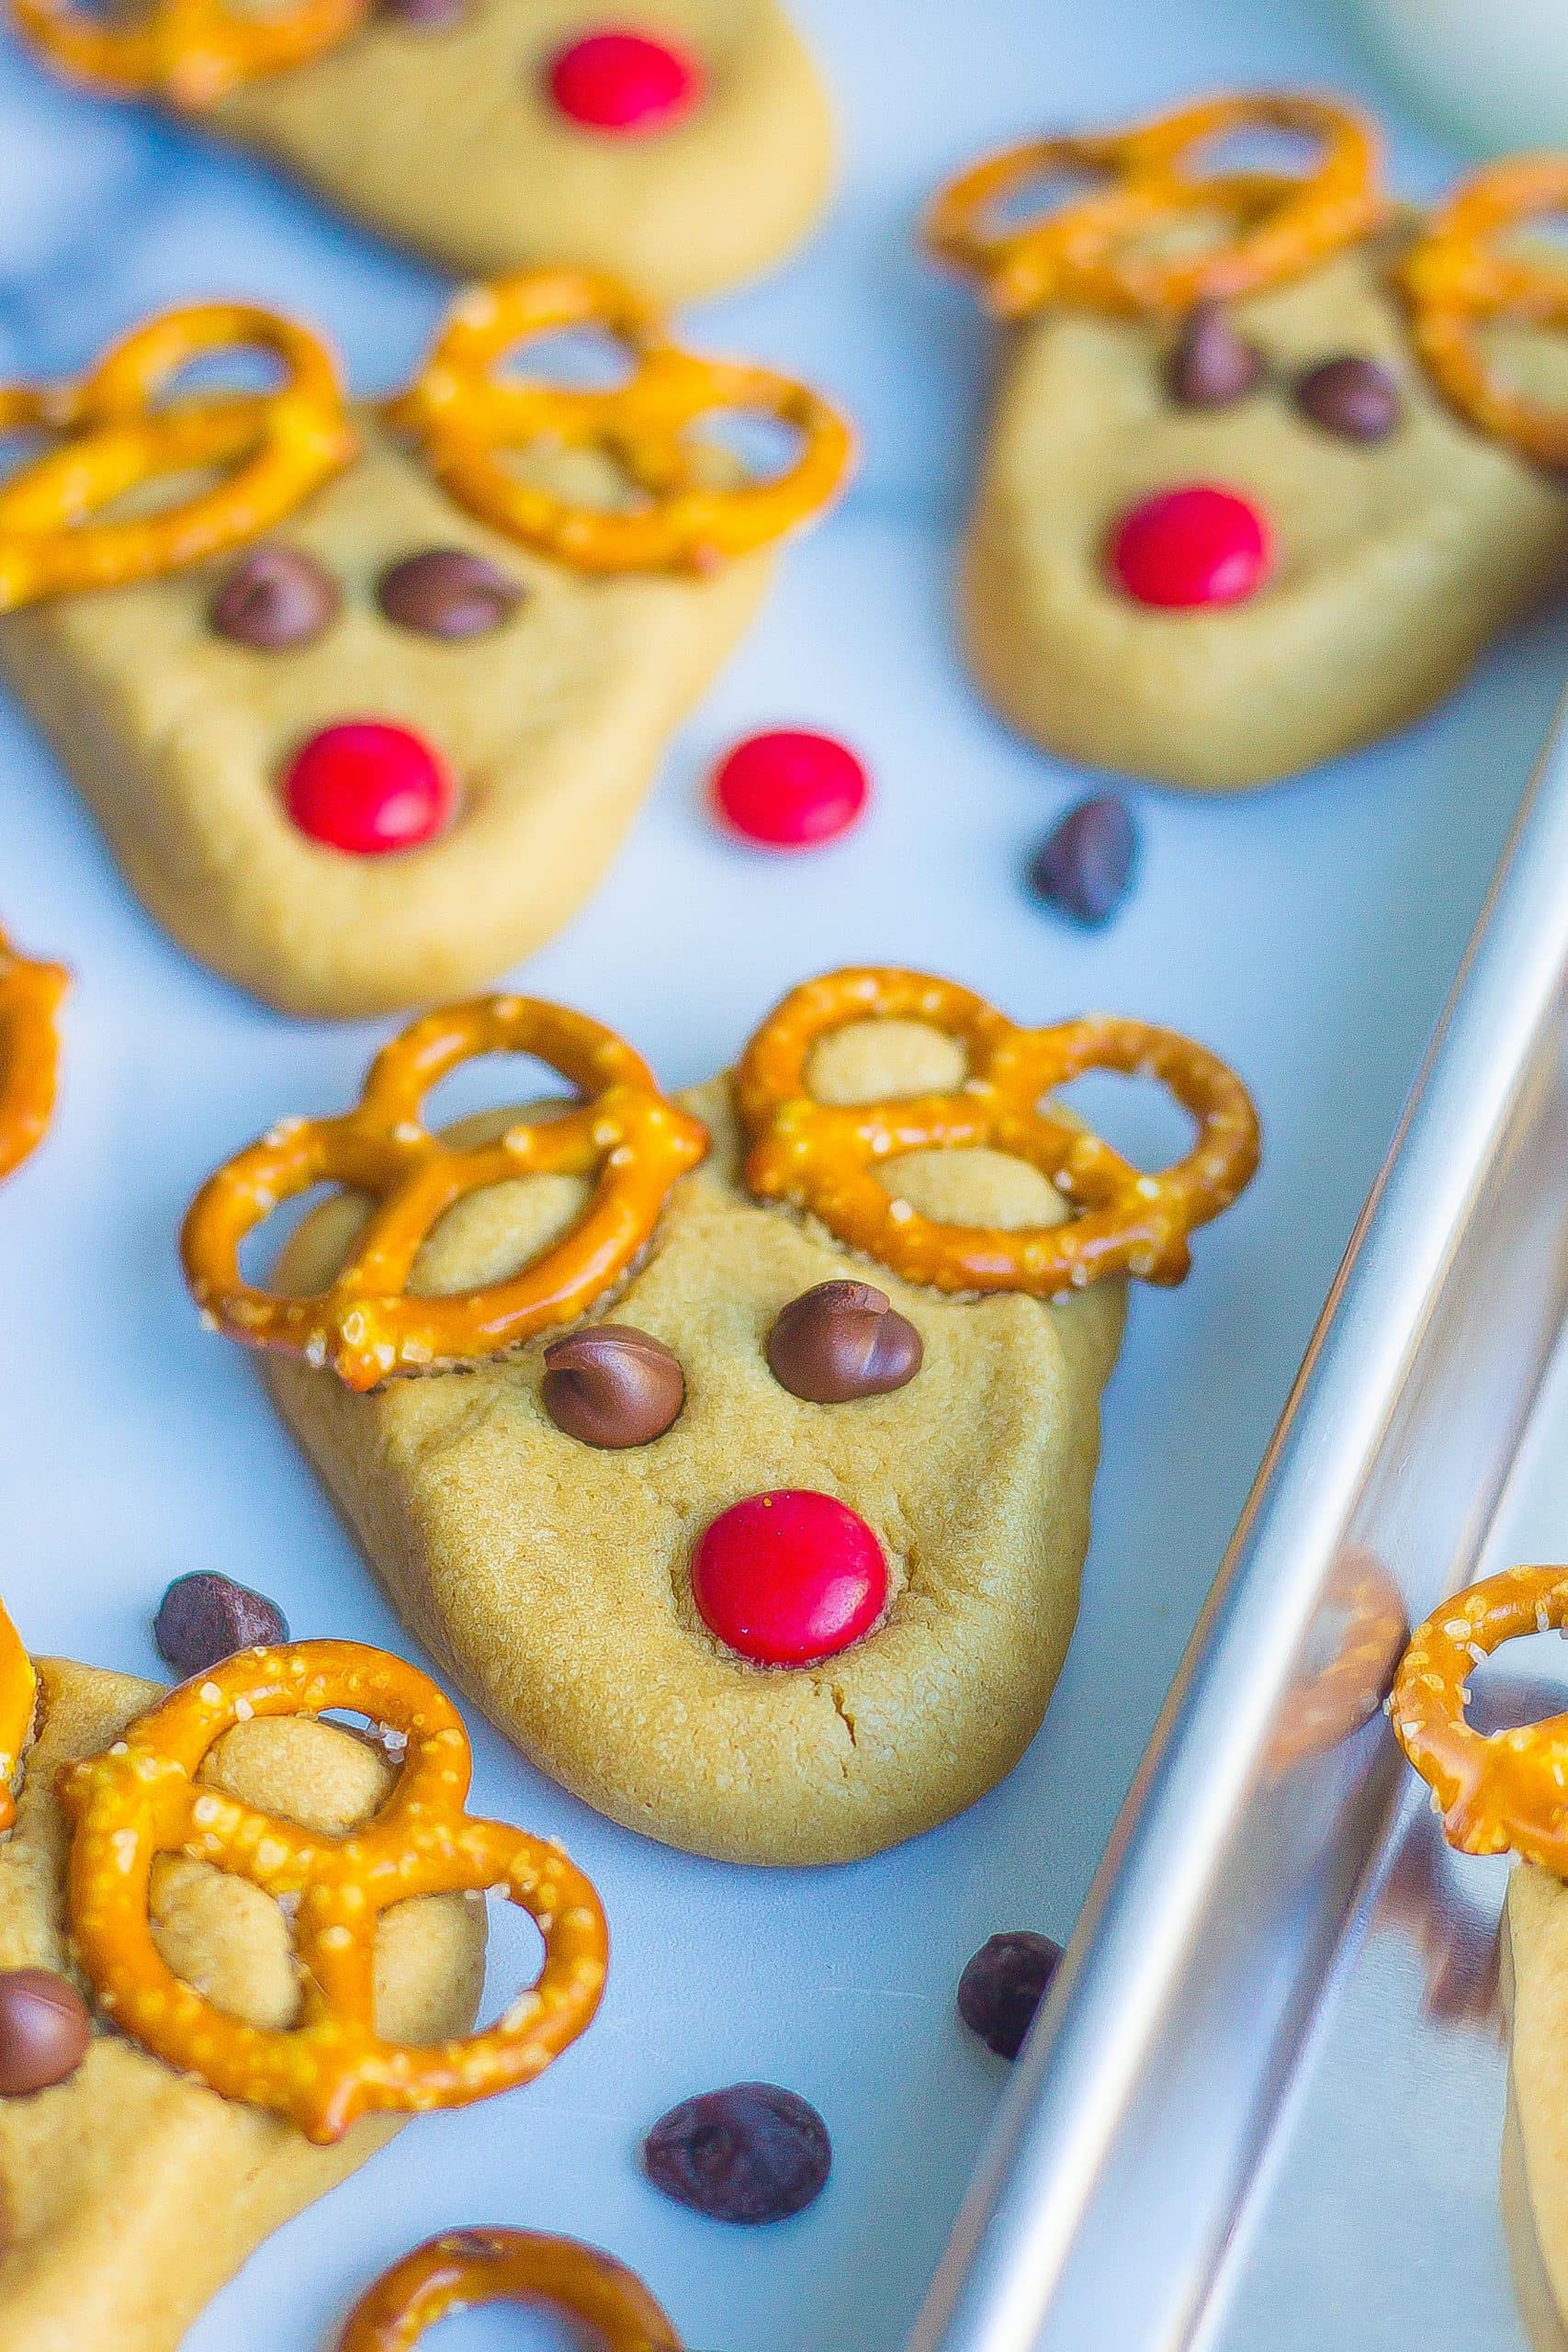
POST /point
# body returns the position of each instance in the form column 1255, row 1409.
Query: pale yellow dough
column 551, row 1579
column 450, row 142
column 552, row 725
column 130, row 2193
column 1396, row 564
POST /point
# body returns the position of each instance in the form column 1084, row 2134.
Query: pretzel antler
column 188, row 52
column 18, row 1704
column 29, row 1051
column 462, row 2269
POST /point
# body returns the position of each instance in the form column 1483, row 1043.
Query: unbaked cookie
column 1244, row 508
column 374, row 746
column 773, row 1571
column 685, row 145
column 1535, row 2140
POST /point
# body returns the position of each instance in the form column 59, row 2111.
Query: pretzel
column 188, row 52
column 1329, row 1703
column 143, row 1798
column 1091, row 250
column 367, row 1324
column 30, row 1052
column 1508, row 1789
column 824, row 1159
column 468, row 416
column 464, row 2267
column 116, row 433
column 18, row 1704
column 1458, row 285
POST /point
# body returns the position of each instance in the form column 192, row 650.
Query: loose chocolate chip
column 1003, row 1985
column 1085, row 867
column 1357, row 399
column 204, row 1618
column 44, row 2031
column 611, row 1386
column 842, row 1340
column 449, row 593
column 1211, row 365
column 274, row 599
column 752, row 2152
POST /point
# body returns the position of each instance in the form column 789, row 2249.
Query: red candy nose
column 1193, row 546
column 366, row 788
column 621, row 81
column 789, row 1578
column 791, row 788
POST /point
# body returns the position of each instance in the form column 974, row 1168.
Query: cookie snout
column 789, row 1578
column 366, row 788
column 1197, row 545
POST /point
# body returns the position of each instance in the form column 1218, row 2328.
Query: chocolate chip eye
column 1356, row 398
column 449, row 593
column 1211, row 364
column 611, row 1386
column 274, row 599
column 842, row 1340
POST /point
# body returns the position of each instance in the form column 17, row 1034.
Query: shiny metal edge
column 1119, row 2163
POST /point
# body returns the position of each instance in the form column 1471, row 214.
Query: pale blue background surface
column 1308, row 934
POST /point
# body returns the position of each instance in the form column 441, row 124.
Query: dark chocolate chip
column 449, row 593
column 1085, row 867
column 204, row 1618
column 842, row 1340
column 1357, row 399
column 423, row 16
column 611, row 1386
column 752, row 2152
column 45, row 2029
column 1003, row 1985
column 274, row 599
column 1211, row 365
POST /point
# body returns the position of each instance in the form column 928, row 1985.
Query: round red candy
column 789, row 1578
column 368, row 788
column 621, row 81
column 1194, row 545
column 791, row 789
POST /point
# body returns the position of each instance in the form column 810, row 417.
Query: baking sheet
column 1308, row 936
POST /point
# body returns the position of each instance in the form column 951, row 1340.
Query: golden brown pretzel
column 18, row 1703
column 187, row 51
column 464, row 2267
column 824, row 1159
column 30, row 1052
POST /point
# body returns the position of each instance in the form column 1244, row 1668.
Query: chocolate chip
column 204, row 1618
column 1086, row 867
column 752, row 2152
column 45, row 2029
column 842, row 1340
column 423, row 16
column 1003, row 1985
column 611, row 1386
column 449, row 593
column 274, row 599
column 1211, row 365
column 1357, row 399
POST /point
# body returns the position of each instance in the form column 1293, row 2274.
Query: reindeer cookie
column 758, row 1515
column 1271, row 463
column 209, row 2013
column 685, row 146
column 366, row 710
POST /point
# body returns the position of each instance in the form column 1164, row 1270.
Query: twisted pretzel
column 1327, row 1704
column 1088, row 252
column 116, row 433
column 1459, row 284
column 468, row 416
column 824, row 1159
column 190, row 52
column 30, row 1052
column 1508, row 1789
column 143, row 1798
column 18, row 1703
column 464, row 2267
column 366, row 1325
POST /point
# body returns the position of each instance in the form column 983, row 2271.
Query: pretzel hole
column 513, row 2324
column 1141, row 1121
column 515, row 1956
column 1524, row 1682
column 236, row 367
column 974, row 1186
column 485, row 1083
column 746, row 445
column 266, row 1246
column 1255, row 148
column 578, row 359
column 885, row 1061
column 1038, row 196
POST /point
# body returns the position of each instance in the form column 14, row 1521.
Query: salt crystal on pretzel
column 463, row 2268
column 30, row 1052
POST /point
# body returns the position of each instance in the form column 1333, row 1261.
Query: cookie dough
column 1395, row 564
column 447, row 139
column 1535, row 2141
column 552, row 1578
column 552, row 724
column 132, row 2193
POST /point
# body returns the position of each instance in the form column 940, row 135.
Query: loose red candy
column 1191, row 546
column 623, row 81
column 791, row 788
column 789, row 1578
column 368, row 788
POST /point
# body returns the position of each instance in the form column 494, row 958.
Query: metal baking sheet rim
column 1118, row 2170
